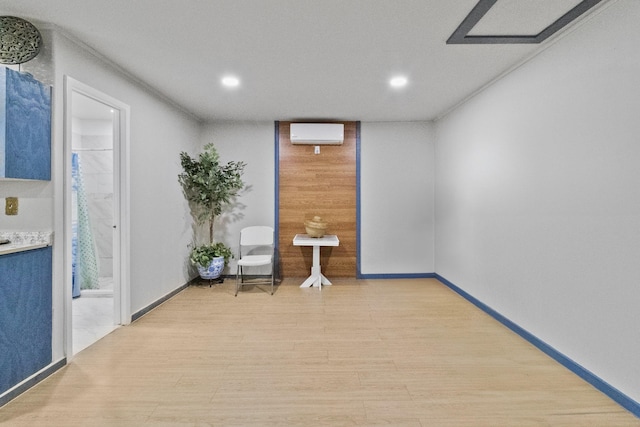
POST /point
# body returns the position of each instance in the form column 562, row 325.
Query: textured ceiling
column 296, row 59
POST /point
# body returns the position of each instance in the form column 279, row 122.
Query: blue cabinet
column 25, row 126
column 25, row 315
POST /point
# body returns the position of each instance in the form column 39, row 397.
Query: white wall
column 160, row 222
column 254, row 144
column 397, row 193
column 537, row 207
column 34, row 206
column 397, row 187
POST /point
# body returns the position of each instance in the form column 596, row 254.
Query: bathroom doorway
column 95, row 200
column 91, row 220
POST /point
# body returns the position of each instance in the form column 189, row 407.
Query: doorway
column 96, row 218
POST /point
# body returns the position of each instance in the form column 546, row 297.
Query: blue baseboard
column 399, row 276
column 31, row 382
column 138, row 314
column 615, row 394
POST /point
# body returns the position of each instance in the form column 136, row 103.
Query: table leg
column 310, row 281
column 316, row 278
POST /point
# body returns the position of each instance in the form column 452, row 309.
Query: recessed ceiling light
column 398, row 81
column 230, row 81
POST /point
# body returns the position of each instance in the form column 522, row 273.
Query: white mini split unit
column 316, row 133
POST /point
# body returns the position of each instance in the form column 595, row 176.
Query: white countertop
column 25, row 241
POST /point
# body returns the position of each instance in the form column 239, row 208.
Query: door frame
column 121, row 247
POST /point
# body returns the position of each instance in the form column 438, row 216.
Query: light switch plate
column 11, row 206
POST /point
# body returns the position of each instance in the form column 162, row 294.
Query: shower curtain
column 83, row 248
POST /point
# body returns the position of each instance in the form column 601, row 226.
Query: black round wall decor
column 20, row 41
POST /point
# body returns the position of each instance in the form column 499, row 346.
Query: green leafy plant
column 203, row 255
column 209, row 185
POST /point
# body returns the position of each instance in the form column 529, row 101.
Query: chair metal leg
column 272, row 275
column 240, row 279
column 237, row 284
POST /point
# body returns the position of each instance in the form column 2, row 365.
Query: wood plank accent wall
column 317, row 184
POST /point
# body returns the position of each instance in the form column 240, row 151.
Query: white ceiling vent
column 317, row 133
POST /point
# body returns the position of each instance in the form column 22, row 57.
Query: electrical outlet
column 11, row 206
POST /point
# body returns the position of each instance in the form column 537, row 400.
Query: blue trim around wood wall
column 276, row 227
column 358, row 270
column 615, row 394
column 276, row 192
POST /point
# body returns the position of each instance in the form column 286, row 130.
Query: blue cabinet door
column 25, row 315
column 25, row 127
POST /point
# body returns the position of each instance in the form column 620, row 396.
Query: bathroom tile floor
column 92, row 319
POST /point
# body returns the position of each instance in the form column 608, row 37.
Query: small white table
column 316, row 278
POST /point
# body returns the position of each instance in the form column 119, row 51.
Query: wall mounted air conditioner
column 317, row 133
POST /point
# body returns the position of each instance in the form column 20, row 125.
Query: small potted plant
column 209, row 185
column 210, row 259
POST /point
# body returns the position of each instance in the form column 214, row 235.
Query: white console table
column 316, row 278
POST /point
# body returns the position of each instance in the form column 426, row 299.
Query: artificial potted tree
column 209, row 185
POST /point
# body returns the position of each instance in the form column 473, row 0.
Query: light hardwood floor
column 383, row 352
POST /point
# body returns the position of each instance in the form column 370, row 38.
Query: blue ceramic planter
column 214, row 269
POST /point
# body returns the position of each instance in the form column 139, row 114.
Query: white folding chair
column 256, row 249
